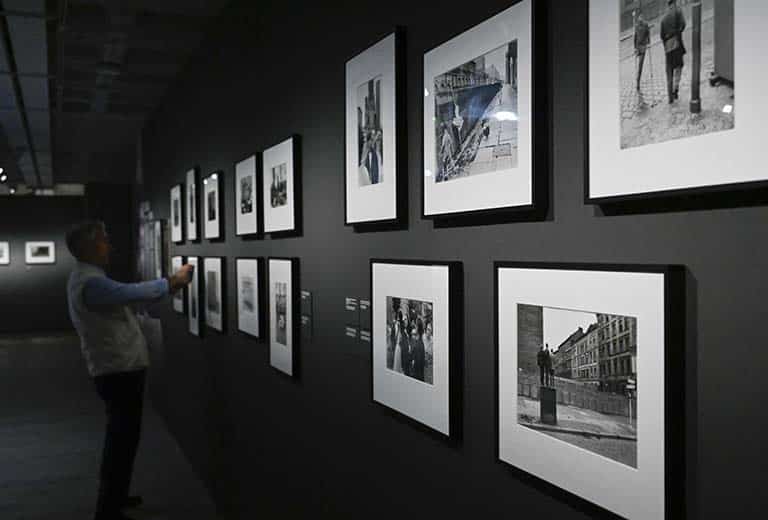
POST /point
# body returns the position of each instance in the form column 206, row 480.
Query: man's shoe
column 132, row 501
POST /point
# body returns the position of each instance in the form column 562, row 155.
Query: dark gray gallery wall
column 33, row 297
column 318, row 447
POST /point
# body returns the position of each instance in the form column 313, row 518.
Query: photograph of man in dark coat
column 642, row 40
column 672, row 27
column 418, row 353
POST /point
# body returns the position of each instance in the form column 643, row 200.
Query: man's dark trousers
column 123, row 395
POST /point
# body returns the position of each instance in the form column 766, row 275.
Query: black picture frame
column 298, row 199
column 6, row 245
column 182, row 213
column 261, row 295
column 184, row 308
column 220, row 237
column 196, row 181
column 295, row 296
column 716, row 196
column 224, row 294
column 400, row 222
column 674, row 391
column 455, row 351
column 541, row 130
column 257, row 195
column 200, row 319
column 27, row 262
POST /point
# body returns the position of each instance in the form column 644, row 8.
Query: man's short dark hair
column 80, row 236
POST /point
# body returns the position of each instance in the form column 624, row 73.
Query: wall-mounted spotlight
column 3, row 177
column 12, row 191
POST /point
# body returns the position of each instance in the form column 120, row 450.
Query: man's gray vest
column 110, row 337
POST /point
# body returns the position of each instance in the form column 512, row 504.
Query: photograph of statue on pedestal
column 177, row 220
column 479, row 97
column 574, row 344
column 577, row 374
column 374, row 132
column 662, row 97
column 416, row 342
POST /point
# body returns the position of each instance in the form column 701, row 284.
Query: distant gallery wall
column 268, row 446
column 33, row 297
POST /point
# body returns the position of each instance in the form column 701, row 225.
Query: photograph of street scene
column 476, row 115
column 410, row 338
column 577, row 379
column 676, row 70
column 370, row 138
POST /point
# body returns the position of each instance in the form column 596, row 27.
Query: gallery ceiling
column 78, row 78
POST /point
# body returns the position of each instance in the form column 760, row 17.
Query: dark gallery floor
column 51, row 429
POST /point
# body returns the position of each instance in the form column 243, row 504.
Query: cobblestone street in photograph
column 647, row 117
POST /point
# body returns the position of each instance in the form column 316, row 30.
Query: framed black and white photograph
column 5, row 253
column 249, row 289
column 375, row 130
column 212, row 202
column 191, row 214
column 193, row 298
column 416, row 347
column 246, row 199
column 282, row 187
column 41, row 253
column 178, row 296
column 483, row 153
column 662, row 111
column 574, row 342
column 159, row 250
column 213, row 280
column 177, row 218
column 284, row 324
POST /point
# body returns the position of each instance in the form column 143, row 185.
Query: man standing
column 115, row 352
column 418, row 351
column 672, row 27
column 642, row 40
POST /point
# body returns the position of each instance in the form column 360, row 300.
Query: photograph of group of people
column 409, row 338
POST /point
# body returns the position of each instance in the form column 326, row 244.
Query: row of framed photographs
column 266, row 185
column 34, row 253
column 485, row 111
column 486, row 118
column 204, row 302
column 571, row 342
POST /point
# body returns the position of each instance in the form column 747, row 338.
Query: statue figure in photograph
column 544, row 360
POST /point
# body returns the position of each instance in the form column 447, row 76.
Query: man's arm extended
column 102, row 291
